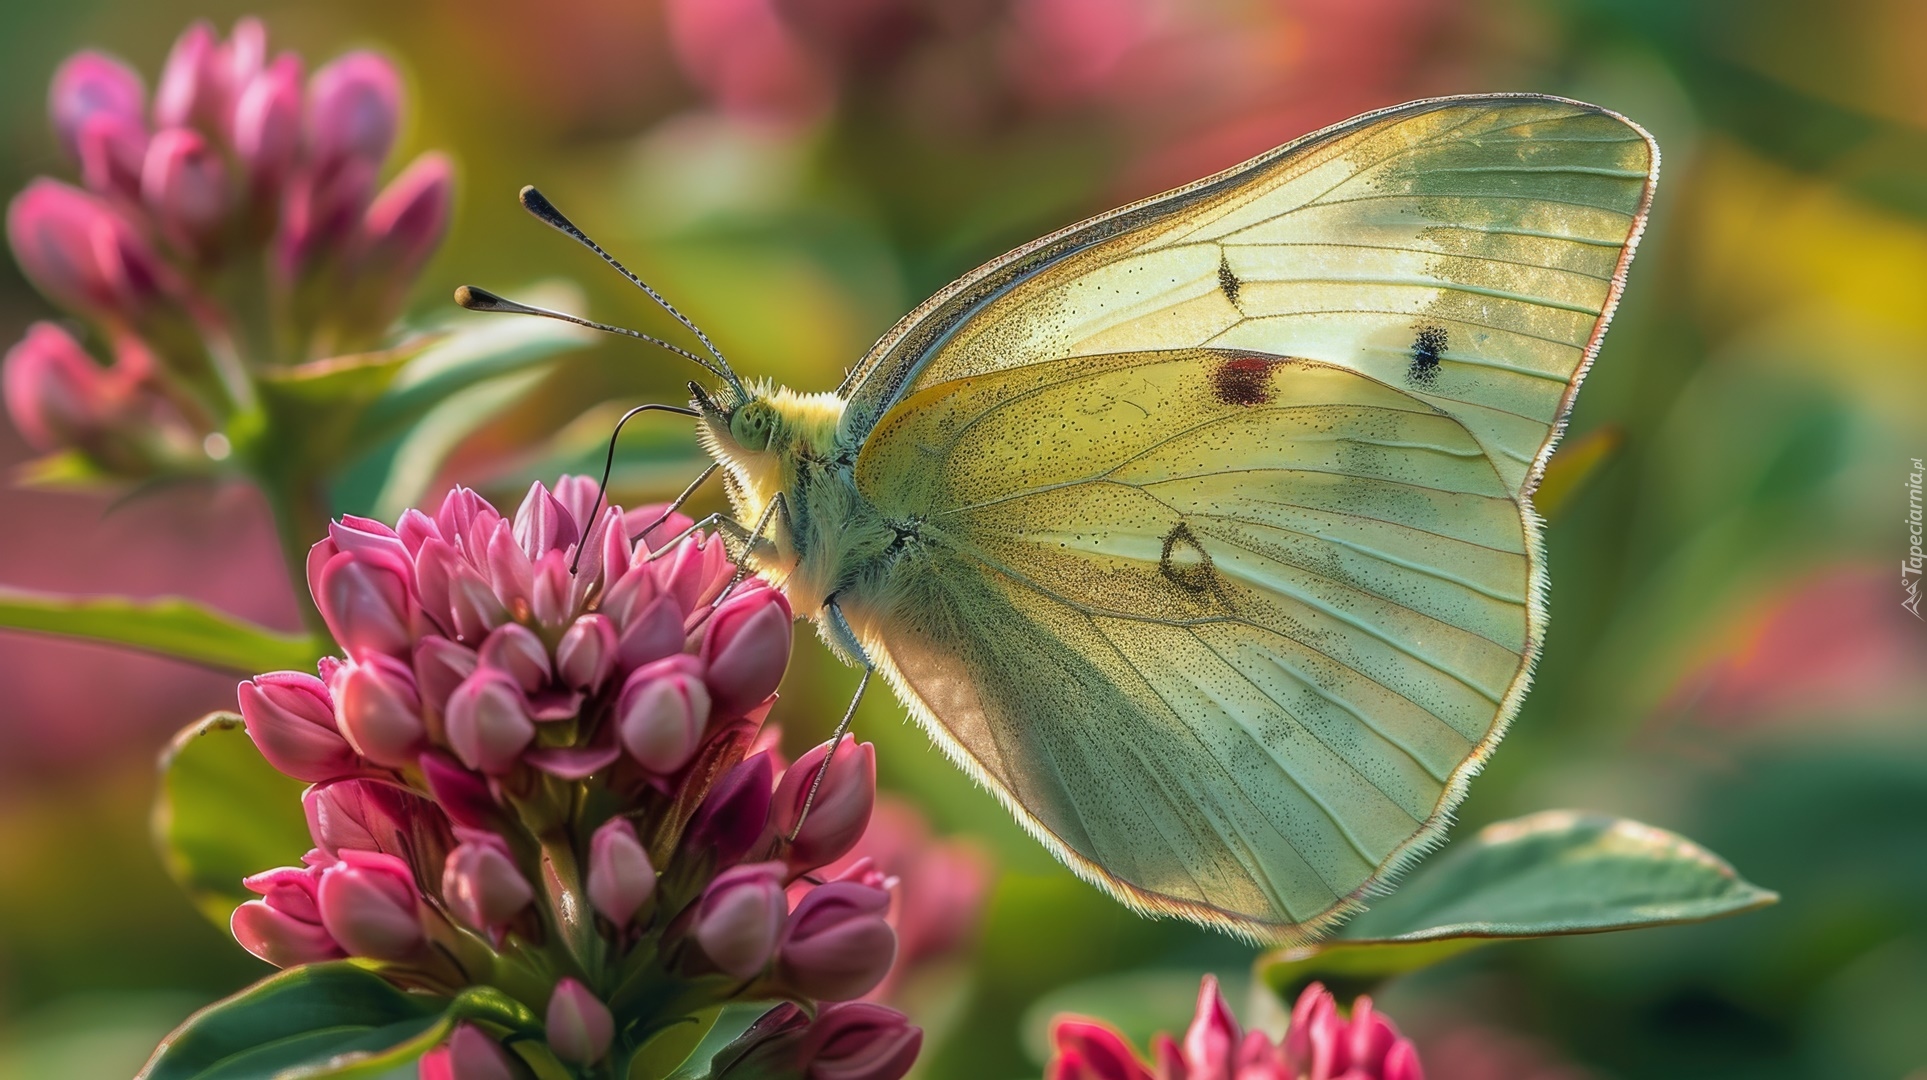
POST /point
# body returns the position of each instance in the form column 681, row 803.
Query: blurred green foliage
column 1728, row 657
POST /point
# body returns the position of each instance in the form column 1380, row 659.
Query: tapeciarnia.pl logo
column 1910, row 566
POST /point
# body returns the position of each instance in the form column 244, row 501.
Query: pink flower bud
column 838, row 945
column 482, row 886
column 403, row 227
column 620, row 877
column 514, row 650
column 841, row 811
column 463, row 795
column 746, row 647
column 112, row 151
column 1212, row 1042
column 579, row 1026
column 661, row 713
column 414, row 529
column 368, row 902
column 469, row 1054
column 440, row 667
column 510, row 571
column 365, row 602
column 454, row 594
column 291, row 718
column 652, row 633
column 267, row 123
column 354, row 108
column 379, row 710
column 734, row 813
column 587, row 653
column 862, row 1041
column 543, row 524
column 192, row 88
column 245, row 50
column 184, row 183
column 89, row 84
column 1084, row 1050
column 55, row 392
column 488, row 722
column 741, row 918
column 851, row 1041
column 80, row 252
column 552, row 590
column 366, row 815
column 284, row 926
column 321, row 208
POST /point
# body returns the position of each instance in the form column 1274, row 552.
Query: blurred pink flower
column 1319, row 1045
column 1836, row 641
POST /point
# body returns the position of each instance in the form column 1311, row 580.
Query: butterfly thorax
column 825, row 540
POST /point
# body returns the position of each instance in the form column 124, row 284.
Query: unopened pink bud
column 653, row 632
column 321, row 208
column 862, row 1041
column 741, row 918
column 284, row 926
column 454, row 594
column 379, row 710
column 488, row 722
column 620, row 877
column 267, row 122
column 463, row 795
column 543, row 524
column 514, row 650
column 469, row 1054
column 81, row 252
column 734, row 813
column 291, row 718
column 54, row 390
column 838, row 946
column 89, row 84
column 440, row 667
column 510, row 572
column 184, row 183
column 841, row 810
column 365, row 602
column 587, row 653
column 1212, row 1042
column 662, row 711
column 482, row 886
column 354, row 108
column 746, row 648
column 368, row 902
column 245, row 50
column 580, row 1027
column 552, row 591
column 403, row 227
column 366, row 815
column 112, row 151
column 191, row 85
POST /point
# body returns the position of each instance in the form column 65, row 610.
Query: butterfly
column 1200, row 533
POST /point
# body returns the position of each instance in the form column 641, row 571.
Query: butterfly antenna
column 538, row 204
column 476, row 298
column 608, row 466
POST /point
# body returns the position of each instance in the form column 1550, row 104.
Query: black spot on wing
column 1426, row 349
column 1227, row 280
column 1185, row 563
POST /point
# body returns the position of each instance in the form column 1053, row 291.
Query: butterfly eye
column 752, row 425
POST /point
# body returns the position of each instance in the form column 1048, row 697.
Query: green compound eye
column 752, row 425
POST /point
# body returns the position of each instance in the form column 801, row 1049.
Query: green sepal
column 223, row 813
column 1552, row 873
column 169, row 626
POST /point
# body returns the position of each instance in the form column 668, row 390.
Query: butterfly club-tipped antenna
column 538, row 204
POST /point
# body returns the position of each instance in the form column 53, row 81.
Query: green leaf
column 474, row 348
column 169, row 626
column 224, row 813
column 412, row 463
column 335, row 1020
column 1551, row 873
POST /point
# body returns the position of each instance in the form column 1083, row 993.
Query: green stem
column 300, row 509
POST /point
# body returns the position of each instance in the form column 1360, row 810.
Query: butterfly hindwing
column 1226, row 636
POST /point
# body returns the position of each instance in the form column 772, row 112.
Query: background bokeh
column 1728, row 658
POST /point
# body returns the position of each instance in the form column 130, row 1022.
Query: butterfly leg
column 776, row 505
column 847, row 642
column 719, row 521
column 676, row 504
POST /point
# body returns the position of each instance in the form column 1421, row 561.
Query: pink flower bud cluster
column 561, row 784
column 242, row 169
column 1320, row 1044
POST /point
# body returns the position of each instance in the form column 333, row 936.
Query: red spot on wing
column 1243, row 379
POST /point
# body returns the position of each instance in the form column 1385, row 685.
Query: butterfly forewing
column 1225, row 577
